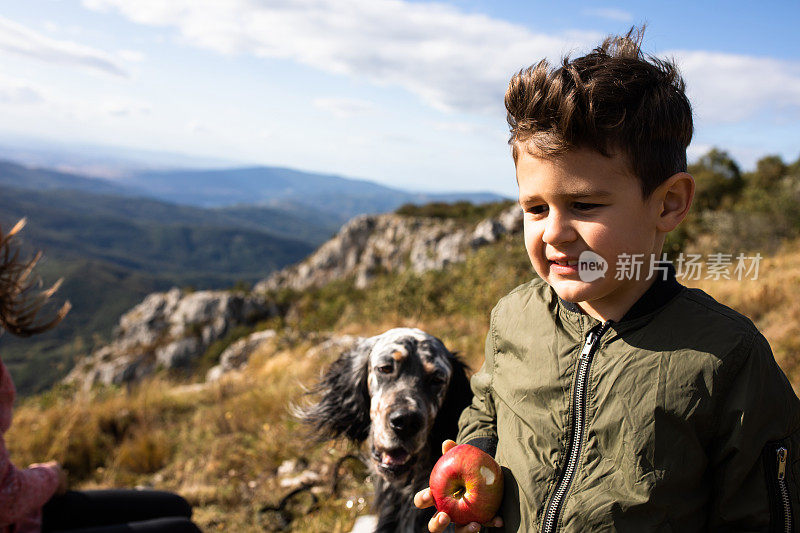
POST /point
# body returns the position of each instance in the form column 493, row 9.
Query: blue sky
column 406, row 93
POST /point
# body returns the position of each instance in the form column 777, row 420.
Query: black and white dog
column 401, row 391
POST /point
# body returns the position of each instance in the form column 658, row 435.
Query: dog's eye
column 385, row 368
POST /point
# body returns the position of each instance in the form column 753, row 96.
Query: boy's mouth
column 564, row 266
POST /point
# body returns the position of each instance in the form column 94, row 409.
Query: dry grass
column 220, row 445
column 770, row 302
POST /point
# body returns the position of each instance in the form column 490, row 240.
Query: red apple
column 467, row 484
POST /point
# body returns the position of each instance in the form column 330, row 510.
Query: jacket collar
column 663, row 289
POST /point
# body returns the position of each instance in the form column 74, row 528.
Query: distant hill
column 98, row 161
column 333, row 199
column 115, row 241
column 23, row 177
column 146, row 236
column 112, row 251
column 284, row 187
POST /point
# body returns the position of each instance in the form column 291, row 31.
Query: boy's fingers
column 494, row 522
column 438, row 523
column 474, row 527
column 446, row 445
column 423, row 498
column 48, row 464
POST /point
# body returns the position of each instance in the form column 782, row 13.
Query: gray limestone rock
column 173, row 329
column 168, row 330
column 238, row 354
column 370, row 244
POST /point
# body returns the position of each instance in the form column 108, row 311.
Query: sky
column 405, row 93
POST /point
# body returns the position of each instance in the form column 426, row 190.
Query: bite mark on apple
column 488, row 475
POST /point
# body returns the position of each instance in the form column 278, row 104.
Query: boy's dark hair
column 612, row 99
column 18, row 307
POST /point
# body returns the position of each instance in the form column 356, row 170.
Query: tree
column 718, row 180
column 768, row 174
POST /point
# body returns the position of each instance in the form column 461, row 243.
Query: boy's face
column 583, row 201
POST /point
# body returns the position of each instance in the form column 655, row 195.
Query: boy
column 622, row 402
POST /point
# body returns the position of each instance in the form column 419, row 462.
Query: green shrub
column 459, row 210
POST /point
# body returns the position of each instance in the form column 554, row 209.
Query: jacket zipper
column 783, row 454
column 553, row 510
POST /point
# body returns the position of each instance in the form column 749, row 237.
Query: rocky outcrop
column 238, row 354
column 168, row 330
column 172, row 329
column 390, row 243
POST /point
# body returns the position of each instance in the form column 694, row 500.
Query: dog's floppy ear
column 458, row 397
column 343, row 407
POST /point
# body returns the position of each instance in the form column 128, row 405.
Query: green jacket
column 675, row 418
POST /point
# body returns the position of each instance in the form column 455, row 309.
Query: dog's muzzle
column 394, row 454
column 392, row 462
column 405, row 424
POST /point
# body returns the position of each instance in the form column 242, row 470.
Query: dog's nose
column 405, row 422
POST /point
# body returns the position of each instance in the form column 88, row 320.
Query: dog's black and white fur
column 402, row 392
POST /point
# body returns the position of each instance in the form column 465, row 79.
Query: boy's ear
column 675, row 197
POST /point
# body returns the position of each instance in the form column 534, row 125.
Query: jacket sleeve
column 758, row 417
column 23, row 491
column 478, row 422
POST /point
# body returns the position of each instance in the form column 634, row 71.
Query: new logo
column 591, row 266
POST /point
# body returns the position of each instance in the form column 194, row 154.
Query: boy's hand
column 63, row 483
column 440, row 520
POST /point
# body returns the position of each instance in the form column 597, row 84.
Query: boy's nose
column 557, row 229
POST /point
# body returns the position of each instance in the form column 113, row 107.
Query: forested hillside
column 113, row 250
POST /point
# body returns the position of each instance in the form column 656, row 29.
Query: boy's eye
column 536, row 209
column 583, row 206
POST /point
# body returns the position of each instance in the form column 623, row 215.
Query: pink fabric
column 22, row 492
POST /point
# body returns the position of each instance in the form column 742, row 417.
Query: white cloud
column 450, row 59
column 463, row 128
column 728, row 88
column 49, row 102
column 618, row 15
column 18, row 92
column 20, row 95
column 126, row 109
column 132, row 56
column 196, row 126
column 20, row 40
column 344, row 107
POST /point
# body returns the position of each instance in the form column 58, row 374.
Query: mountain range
column 116, row 240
